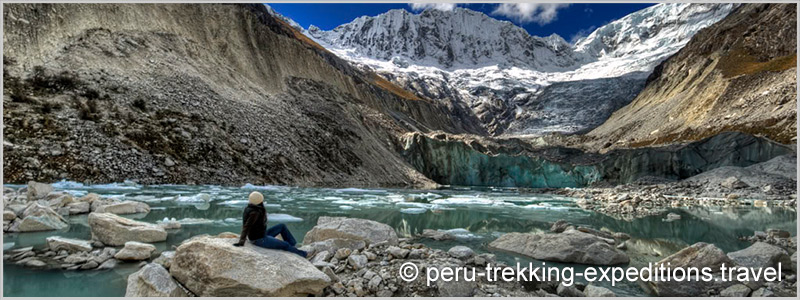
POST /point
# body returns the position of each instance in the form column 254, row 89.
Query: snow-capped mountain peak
column 662, row 28
column 514, row 82
column 447, row 39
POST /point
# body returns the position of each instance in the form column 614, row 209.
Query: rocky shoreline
column 354, row 257
column 771, row 183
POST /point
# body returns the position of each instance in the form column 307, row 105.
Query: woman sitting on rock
column 254, row 227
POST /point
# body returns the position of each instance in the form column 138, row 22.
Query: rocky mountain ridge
column 92, row 94
column 515, row 83
column 736, row 75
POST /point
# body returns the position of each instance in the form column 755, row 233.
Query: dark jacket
column 254, row 222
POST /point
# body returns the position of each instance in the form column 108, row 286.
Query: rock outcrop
column 57, row 243
column 38, row 217
column 66, row 254
column 135, row 251
column 114, row 230
column 736, row 75
column 213, row 267
column 761, row 255
column 124, row 208
column 38, row 190
column 38, row 207
column 473, row 160
column 570, row 246
column 597, row 291
column 276, row 106
column 368, row 231
column 153, row 280
column 699, row 255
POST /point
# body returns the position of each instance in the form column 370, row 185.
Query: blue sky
column 567, row 20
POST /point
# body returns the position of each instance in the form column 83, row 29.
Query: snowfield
column 515, row 83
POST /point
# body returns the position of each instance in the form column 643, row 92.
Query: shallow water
column 476, row 215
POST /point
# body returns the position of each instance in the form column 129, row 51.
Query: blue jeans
column 270, row 242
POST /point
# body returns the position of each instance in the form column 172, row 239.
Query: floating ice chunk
column 195, row 221
column 127, row 185
column 234, row 203
column 145, row 198
column 64, row 184
column 263, row 187
column 396, row 198
column 369, row 203
column 414, row 210
column 76, row 193
column 547, row 206
column 283, row 218
column 357, row 190
column 462, row 233
column 437, row 207
column 348, row 202
column 202, row 197
column 464, row 200
column 413, row 204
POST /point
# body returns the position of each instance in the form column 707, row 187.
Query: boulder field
column 353, row 257
column 357, row 257
column 700, row 255
column 37, row 207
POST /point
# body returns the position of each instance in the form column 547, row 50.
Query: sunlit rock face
column 463, row 160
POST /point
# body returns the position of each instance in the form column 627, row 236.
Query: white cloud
column 541, row 13
column 438, row 6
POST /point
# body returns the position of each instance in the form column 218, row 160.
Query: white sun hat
column 256, row 198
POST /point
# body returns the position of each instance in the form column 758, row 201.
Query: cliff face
column 192, row 93
column 736, row 75
column 470, row 160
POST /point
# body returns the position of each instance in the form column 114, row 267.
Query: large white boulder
column 124, row 208
column 135, row 251
column 571, row 246
column 59, row 200
column 351, row 228
column 38, row 190
column 332, row 245
column 212, row 267
column 153, row 280
column 761, row 255
column 9, row 215
column 37, row 217
column 76, row 208
column 113, row 230
column 57, row 243
column 700, row 255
